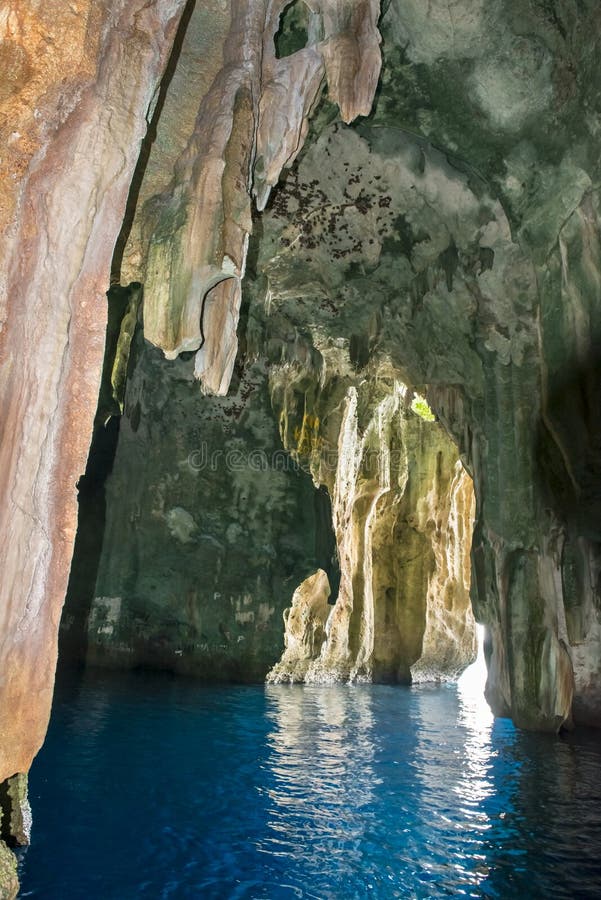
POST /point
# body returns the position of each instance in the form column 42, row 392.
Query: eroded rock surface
column 81, row 79
column 208, row 527
column 251, row 123
column 305, row 623
column 9, row 883
column 481, row 269
column 402, row 514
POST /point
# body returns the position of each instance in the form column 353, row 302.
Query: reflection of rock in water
column 321, row 752
column 456, row 785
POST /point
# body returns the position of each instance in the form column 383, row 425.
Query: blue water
column 153, row 787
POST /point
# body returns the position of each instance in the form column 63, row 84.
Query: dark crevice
column 91, row 486
column 110, row 399
column 73, row 637
column 147, row 143
column 326, row 553
column 91, row 499
column 293, row 32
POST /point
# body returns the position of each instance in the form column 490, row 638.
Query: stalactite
column 250, row 125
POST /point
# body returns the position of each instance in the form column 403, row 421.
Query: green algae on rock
column 209, row 526
column 9, row 883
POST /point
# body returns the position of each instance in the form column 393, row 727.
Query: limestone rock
column 402, row 511
column 449, row 242
column 15, row 830
column 201, row 226
column 351, row 54
column 486, row 300
column 304, row 629
column 82, row 77
column 9, row 883
column 208, row 526
column 15, row 811
column 253, row 116
column 450, row 511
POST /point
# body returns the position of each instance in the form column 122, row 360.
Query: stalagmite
column 305, row 629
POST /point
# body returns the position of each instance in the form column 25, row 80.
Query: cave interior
column 331, row 334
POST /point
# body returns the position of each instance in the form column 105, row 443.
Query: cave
column 301, row 350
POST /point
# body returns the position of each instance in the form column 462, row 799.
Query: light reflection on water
column 320, row 768
column 476, row 784
column 159, row 788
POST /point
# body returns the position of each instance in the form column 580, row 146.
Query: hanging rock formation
column 252, row 120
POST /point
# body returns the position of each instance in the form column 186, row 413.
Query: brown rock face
column 80, row 87
column 82, row 77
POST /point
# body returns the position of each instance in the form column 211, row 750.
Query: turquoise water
column 153, row 787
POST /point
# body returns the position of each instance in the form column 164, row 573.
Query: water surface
column 153, row 787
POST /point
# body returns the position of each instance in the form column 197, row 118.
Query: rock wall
column 78, row 83
column 208, row 527
column 403, row 510
column 210, row 523
column 524, row 117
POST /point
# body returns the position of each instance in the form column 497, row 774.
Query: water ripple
column 155, row 788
